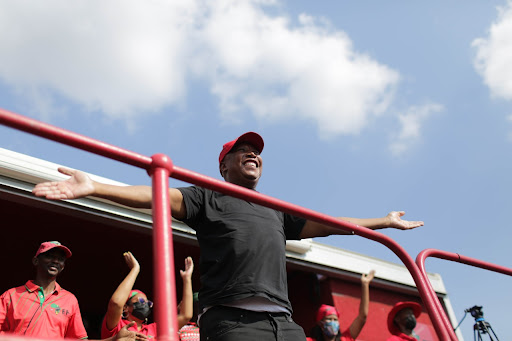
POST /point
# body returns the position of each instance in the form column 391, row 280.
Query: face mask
column 330, row 328
column 410, row 322
column 141, row 310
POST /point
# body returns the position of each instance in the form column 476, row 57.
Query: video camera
column 476, row 311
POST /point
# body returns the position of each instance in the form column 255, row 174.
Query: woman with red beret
column 327, row 318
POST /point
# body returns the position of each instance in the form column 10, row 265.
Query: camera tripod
column 481, row 326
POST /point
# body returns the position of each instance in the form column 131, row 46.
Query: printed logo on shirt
column 58, row 310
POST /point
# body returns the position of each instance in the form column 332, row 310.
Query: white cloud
column 411, row 124
column 119, row 57
column 278, row 72
column 127, row 58
column 494, row 53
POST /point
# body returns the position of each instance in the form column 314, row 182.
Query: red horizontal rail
column 455, row 257
column 69, row 138
column 44, row 130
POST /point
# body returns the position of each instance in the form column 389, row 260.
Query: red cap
column 416, row 309
column 135, row 292
column 47, row 246
column 249, row 137
column 326, row 310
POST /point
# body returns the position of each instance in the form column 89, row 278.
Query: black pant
column 222, row 323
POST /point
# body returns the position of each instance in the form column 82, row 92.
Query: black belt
column 249, row 312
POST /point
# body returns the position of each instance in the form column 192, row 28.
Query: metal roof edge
column 336, row 258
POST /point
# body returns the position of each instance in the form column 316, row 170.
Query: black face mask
column 410, row 322
column 141, row 310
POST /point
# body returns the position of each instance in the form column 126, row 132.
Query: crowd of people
column 43, row 309
column 244, row 291
column 401, row 322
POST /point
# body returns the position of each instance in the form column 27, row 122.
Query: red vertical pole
column 430, row 292
column 163, row 253
column 421, row 285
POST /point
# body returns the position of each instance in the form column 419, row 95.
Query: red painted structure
column 160, row 168
column 454, row 257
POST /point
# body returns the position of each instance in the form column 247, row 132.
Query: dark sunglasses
column 142, row 301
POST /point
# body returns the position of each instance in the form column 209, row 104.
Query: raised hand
column 131, row 261
column 367, row 278
column 189, row 268
column 77, row 186
column 396, row 222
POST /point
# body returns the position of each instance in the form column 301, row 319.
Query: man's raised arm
column 80, row 185
column 392, row 220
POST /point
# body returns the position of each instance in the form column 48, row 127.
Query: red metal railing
column 454, row 257
column 160, row 167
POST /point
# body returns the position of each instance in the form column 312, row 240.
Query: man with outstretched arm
column 244, row 293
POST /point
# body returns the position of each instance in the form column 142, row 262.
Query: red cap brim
column 250, row 137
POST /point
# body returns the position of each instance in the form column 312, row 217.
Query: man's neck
column 243, row 183
column 48, row 284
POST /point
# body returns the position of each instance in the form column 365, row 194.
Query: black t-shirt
column 242, row 247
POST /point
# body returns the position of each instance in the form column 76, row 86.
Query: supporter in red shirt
column 42, row 308
column 327, row 318
column 128, row 305
column 402, row 321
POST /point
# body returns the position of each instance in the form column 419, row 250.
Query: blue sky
column 365, row 107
